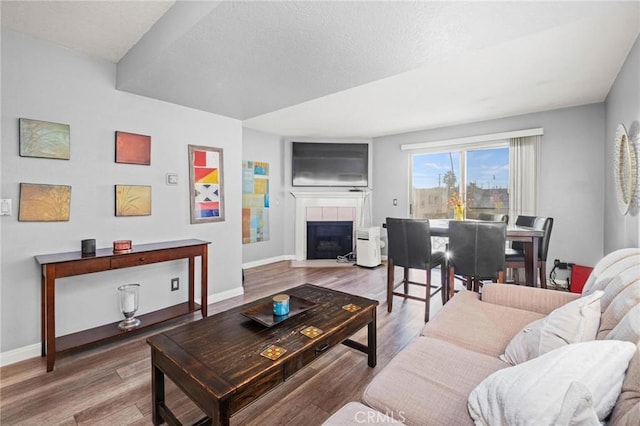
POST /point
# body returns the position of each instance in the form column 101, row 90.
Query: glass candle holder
column 128, row 296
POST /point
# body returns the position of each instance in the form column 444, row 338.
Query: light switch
column 395, row 201
column 5, row 207
column 172, row 179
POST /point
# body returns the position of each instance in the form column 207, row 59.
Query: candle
column 129, row 304
column 281, row 304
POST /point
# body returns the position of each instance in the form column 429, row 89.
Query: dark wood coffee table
column 216, row 361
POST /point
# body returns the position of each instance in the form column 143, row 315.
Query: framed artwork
column 133, row 149
column 255, row 201
column 206, row 184
column 133, row 200
column 44, row 203
column 44, row 139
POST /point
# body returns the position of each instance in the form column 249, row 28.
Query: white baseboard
column 20, row 354
column 218, row 297
column 32, row 351
column 261, row 262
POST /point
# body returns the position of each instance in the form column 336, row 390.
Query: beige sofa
column 453, row 374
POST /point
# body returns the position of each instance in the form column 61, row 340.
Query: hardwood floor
column 110, row 384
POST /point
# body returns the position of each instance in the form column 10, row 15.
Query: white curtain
column 523, row 176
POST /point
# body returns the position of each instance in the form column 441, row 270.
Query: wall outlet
column 175, row 284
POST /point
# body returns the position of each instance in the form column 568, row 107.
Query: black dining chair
column 515, row 257
column 476, row 253
column 493, row 217
column 409, row 247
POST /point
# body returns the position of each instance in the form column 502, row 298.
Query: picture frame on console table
column 206, row 184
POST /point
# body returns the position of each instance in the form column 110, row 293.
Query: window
column 479, row 175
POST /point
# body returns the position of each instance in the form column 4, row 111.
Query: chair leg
column 501, row 279
column 443, row 284
column 427, row 303
column 516, row 279
column 543, row 274
column 452, row 282
column 405, row 280
column 390, row 279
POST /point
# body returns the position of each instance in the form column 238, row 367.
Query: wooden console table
column 61, row 265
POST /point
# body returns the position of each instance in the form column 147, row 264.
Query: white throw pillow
column 574, row 384
column 577, row 321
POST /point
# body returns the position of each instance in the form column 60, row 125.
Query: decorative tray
column 264, row 313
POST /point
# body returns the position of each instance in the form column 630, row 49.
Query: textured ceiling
column 350, row 69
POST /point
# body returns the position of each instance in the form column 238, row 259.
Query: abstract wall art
column 44, row 139
column 206, row 181
column 133, row 149
column 133, row 200
column 44, row 203
column 255, row 201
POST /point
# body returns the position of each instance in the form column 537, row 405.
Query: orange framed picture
column 132, row 148
column 44, row 203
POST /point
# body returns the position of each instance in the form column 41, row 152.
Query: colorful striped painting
column 255, row 201
column 206, row 181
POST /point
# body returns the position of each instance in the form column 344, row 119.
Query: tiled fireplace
column 333, row 208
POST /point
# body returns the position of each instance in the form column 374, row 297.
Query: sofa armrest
column 532, row 299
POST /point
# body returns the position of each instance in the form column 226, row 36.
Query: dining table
column 530, row 238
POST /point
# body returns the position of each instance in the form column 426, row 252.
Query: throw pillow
column 574, row 384
column 577, row 321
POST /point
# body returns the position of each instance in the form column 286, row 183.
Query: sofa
column 519, row 355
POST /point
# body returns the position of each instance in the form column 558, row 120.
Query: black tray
column 264, row 313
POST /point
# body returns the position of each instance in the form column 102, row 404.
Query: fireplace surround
column 325, row 207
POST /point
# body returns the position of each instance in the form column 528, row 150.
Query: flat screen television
column 330, row 164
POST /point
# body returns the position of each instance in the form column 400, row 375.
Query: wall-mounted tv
column 330, row 164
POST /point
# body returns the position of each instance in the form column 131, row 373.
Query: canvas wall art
column 44, row 139
column 206, row 181
column 133, row 200
column 44, row 203
column 132, row 148
column 255, row 201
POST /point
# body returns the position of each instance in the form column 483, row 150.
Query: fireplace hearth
column 329, row 239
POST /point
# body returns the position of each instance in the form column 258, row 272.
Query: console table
column 61, row 265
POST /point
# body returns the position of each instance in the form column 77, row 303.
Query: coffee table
column 217, row 361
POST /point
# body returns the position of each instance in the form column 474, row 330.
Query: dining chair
column 476, row 253
column 409, row 247
column 493, row 217
column 515, row 257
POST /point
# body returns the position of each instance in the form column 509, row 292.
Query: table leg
column 50, row 318
column 372, row 344
column 531, row 261
column 157, row 394
column 205, row 274
column 43, row 312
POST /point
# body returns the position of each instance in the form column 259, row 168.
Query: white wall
column 622, row 106
column 571, row 187
column 260, row 146
column 44, row 82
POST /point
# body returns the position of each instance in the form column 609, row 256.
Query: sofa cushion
column 624, row 301
column 628, row 328
column 610, row 267
column 480, row 326
column 574, row 384
column 429, row 381
column 627, row 409
column 532, row 299
column 574, row 322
